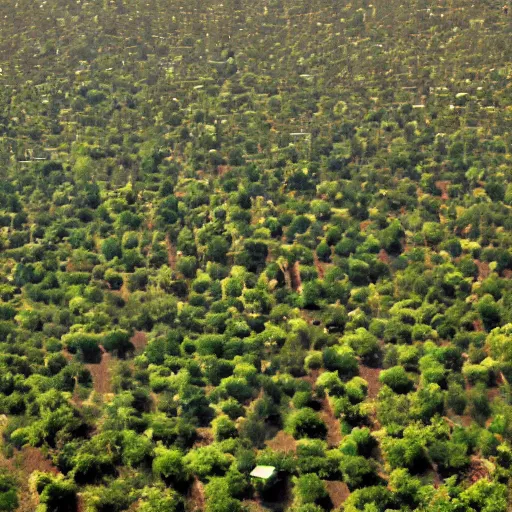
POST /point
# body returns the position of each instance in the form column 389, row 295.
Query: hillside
column 238, row 234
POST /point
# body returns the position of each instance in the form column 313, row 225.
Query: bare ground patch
column 319, row 266
column 282, row 442
column 483, row 269
column 139, row 341
column 338, row 492
column 295, row 279
column 371, row 375
column 443, row 187
column 21, row 466
column 334, row 436
column 204, row 437
column 100, row 373
column 195, row 498
column 477, row 470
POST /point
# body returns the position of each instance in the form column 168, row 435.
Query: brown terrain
column 139, row 341
column 338, row 492
column 100, row 372
column 282, row 442
column 22, row 464
column 371, row 375
column 334, row 436
column 195, row 498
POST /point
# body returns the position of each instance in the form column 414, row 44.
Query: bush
column 309, row 489
column 358, row 471
column 223, row 428
column 8, row 492
column 306, row 423
column 397, row 379
column 169, row 465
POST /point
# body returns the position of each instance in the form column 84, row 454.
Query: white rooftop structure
column 264, row 472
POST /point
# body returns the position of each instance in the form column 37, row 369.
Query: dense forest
column 248, row 234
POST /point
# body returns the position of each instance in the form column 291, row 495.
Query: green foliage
column 206, row 461
column 169, row 465
column 111, row 248
column 8, row 492
column 234, row 225
column 309, row 489
column 306, row 423
column 397, row 379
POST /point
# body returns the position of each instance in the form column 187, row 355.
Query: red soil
column 443, row 187
column 338, row 492
column 139, row 341
column 283, row 442
column 101, row 373
column 371, row 375
column 334, row 436
column 295, row 279
column 483, row 269
column 196, row 498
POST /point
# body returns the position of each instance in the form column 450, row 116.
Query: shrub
column 306, row 423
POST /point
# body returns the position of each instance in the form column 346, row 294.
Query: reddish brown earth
column 371, row 375
column 80, row 503
column 477, row 470
column 319, row 266
column 384, row 257
column 493, row 393
column 338, row 492
column 222, row 169
column 22, row 465
column 196, row 499
column 334, row 436
column 363, row 225
column 477, row 325
column 139, row 341
column 295, row 279
column 483, row 269
column 443, row 187
column 283, row 442
column 101, row 373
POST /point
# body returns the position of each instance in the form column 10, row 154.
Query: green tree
column 111, row 248
column 306, row 423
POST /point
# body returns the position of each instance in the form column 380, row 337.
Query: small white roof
column 264, row 472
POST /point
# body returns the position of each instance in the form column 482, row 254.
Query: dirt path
column 195, row 498
column 332, row 423
column 338, row 492
column 171, row 253
column 319, row 266
column 23, row 463
column 295, row 279
column 334, row 436
column 371, row 375
column 204, row 437
column 101, row 373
